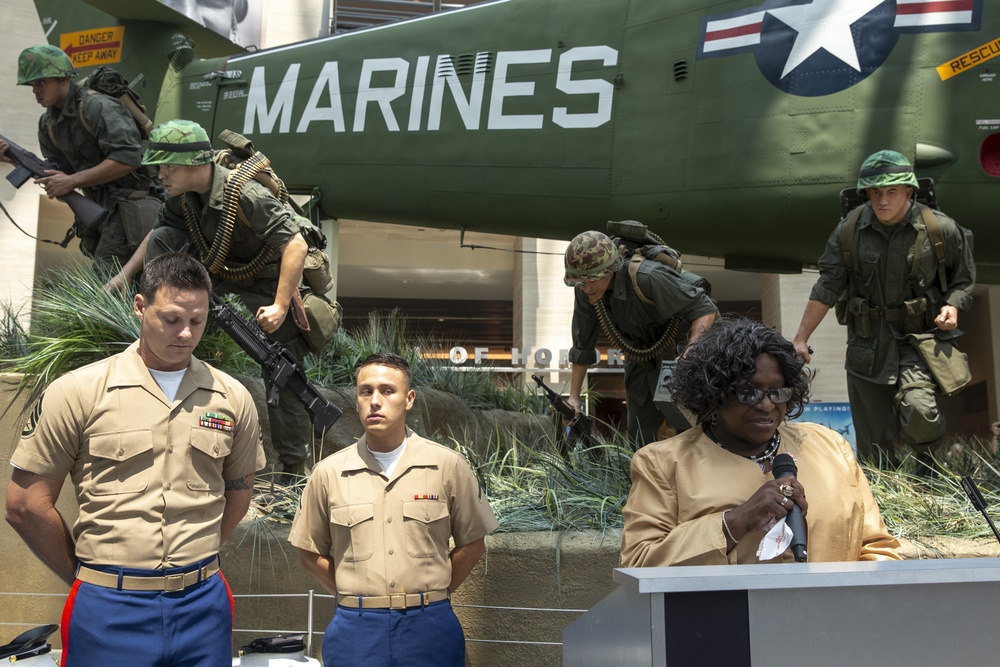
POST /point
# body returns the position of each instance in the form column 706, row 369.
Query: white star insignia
column 823, row 24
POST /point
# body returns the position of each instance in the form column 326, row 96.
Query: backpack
column 635, row 239
column 106, row 81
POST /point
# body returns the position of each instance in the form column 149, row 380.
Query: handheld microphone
column 784, row 466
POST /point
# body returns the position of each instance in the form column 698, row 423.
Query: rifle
column 28, row 165
column 280, row 367
column 579, row 425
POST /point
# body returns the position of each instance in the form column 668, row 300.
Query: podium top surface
column 806, row 575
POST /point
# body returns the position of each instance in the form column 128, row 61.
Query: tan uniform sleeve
column 876, row 542
column 311, row 526
column 472, row 516
column 51, row 438
column 653, row 535
column 247, row 455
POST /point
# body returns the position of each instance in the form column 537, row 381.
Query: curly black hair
column 722, row 361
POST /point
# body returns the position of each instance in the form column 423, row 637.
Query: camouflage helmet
column 886, row 168
column 590, row 256
column 178, row 142
column 43, row 62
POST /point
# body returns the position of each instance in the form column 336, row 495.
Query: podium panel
column 818, row 614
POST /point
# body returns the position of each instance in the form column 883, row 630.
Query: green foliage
column 13, row 337
column 914, row 505
column 75, row 321
column 536, row 489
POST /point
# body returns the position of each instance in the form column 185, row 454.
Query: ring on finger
column 786, row 490
column 784, row 501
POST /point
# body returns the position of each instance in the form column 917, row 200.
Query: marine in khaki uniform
column 890, row 297
column 596, row 267
column 161, row 450
column 262, row 264
column 374, row 529
column 96, row 146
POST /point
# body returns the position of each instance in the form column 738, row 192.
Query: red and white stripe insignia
column 927, row 13
column 733, row 33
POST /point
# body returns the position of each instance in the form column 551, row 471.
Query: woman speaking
column 708, row 496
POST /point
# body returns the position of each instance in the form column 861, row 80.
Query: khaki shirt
column 681, row 486
column 389, row 536
column 148, row 478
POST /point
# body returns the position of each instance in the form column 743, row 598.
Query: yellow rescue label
column 969, row 60
column 93, row 47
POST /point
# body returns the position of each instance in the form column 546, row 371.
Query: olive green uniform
column 885, row 374
column 270, row 224
column 641, row 325
column 66, row 140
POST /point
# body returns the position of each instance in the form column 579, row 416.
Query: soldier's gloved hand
column 270, row 317
column 947, row 319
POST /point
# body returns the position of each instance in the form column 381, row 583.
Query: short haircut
column 174, row 269
column 387, row 359
column 723, row 360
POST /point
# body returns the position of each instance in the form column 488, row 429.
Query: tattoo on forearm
column 240, row 484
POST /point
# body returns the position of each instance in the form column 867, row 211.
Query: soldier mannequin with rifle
column 91, row 143
column 255, row 248
column 644, row 306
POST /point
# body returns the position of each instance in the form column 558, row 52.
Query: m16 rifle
column 578, row 425
column 280, row 367
column 89, row 213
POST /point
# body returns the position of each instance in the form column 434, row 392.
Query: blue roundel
column 823, row 73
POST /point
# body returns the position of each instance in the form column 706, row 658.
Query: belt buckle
column 397, row 601
column 173, row 583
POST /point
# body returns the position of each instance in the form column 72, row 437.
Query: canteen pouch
column 857, row 309
column 138, row 215
column 316, row 272
column 915, row 315
column 947, row 364
column 324, row 319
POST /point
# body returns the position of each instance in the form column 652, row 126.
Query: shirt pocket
column 427, row 527
column 120, row 462
column 353, row 531
column 209, row 448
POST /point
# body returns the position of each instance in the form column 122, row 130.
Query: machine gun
column 280, row 367
column 579, row 426
column 89, row 213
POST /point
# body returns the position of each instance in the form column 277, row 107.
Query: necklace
column 766, row 457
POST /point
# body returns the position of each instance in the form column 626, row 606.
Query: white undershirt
column 388, row 460
column 169, row 381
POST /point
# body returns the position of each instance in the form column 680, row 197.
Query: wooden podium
column 921, row 613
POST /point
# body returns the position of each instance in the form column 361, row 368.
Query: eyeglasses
column 753, row 395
